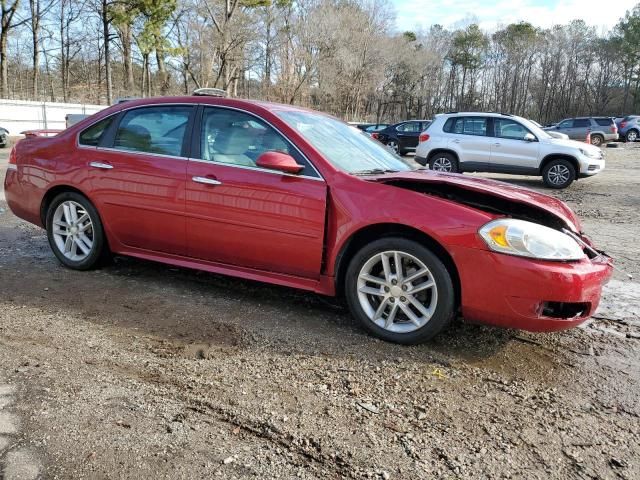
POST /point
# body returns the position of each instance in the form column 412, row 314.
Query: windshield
column 534, row 128
column 344, row 146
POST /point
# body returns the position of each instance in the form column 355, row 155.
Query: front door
column 239, row 214
column 511, row 152
column 138, row 178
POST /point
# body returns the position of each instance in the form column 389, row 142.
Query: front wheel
column 558, row 174
column 75, row 231
column 400, row 291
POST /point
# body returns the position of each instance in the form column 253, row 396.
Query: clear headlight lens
column 589, row 154
column 527, row 239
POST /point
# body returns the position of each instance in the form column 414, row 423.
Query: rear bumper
column 527, row 294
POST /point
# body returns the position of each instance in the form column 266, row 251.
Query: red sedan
column 294, row 197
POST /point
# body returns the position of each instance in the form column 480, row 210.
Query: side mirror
column 529, row 137
column 279, row 161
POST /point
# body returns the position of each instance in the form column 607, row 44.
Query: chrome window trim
column 255, row 169
column 195, row 105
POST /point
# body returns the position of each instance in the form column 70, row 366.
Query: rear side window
column 604, row 122
column 468, row 126
column 158, row 130
column 92, row 135
column 581, row 123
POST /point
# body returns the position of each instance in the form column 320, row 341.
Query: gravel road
column 139, row 370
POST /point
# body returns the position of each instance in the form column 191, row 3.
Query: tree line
column 340, row 56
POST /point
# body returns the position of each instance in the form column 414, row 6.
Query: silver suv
column 600, row 129
column 495, row 142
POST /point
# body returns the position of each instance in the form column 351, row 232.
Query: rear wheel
column 75, row 231
column 558, row 173
column 631, row 136
column 400, row 291
column 443, row 162
column 597, row 140
column 393, row 145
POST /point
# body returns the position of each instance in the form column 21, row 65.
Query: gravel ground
column 140, row 370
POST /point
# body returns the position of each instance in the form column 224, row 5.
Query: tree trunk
column 34, row 6
column 127, row 58
column 107, row 52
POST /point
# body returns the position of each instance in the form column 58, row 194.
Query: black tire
column 394, row 145
column 99, row 250
column 443, row 310
column 444, row 162
column 552, row 170
column 597, row 140
column 631, row 136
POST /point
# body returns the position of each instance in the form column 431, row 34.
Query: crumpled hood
column 500, row 190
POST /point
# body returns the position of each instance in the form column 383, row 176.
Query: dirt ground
column 139, row 370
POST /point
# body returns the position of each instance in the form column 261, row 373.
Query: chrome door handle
column 208, row 181
column 103, row 166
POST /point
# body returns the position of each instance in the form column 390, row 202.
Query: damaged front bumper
column 527, row 294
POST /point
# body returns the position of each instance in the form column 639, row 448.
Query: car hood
column 562, row 142
column 447, row 184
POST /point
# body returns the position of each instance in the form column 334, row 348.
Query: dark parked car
column 402, row 137
column 602, row 129
column 629, row 128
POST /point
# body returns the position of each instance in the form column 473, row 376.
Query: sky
column 491, row 14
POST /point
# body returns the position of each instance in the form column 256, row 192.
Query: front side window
column 470, row 126
column 158, row 130
column 505, row 128
column 92, row 135
column 237, row 138
column 565, row 124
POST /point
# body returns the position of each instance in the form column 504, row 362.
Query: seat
column 134, row 137
column 230, row 146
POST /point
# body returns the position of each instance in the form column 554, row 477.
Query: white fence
column 19, row 115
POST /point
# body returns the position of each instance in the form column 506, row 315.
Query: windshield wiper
column 375, row 171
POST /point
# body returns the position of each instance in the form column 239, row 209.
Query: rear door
column 242, row 215
column 510, row 151
column 408, row 134
column 138, row 177
column 468, row 137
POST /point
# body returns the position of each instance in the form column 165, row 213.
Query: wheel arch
column 437, row 151
column 52, row 193
column 372, row 232
column 560, row 156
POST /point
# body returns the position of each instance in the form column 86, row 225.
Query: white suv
column 501, row 143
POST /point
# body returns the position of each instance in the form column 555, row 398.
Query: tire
column 394, row 146
column 88, row 245
column 597, row 140
column 374, row 307
column 444, row 162
column 631, row 136
column 558, row 174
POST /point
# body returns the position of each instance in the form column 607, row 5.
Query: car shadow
column 190, row 307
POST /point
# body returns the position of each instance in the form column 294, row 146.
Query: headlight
column 527, row 239
column 589, row 154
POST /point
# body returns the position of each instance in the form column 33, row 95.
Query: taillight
column 375, row 135
column 614, row 129
column 13, row 159
column 623, row 124
column 424, row 137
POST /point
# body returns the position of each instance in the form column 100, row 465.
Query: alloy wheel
column 73, row 231
column 559, row 175
column 397, row 291
column 632, row 136
column 442, row 164
column 393, row 145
